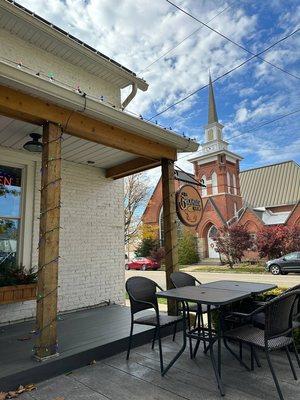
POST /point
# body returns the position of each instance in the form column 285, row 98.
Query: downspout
column 130, row 96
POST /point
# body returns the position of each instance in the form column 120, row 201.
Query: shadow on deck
column 83, row 336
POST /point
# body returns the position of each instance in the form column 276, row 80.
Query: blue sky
column 136, row 32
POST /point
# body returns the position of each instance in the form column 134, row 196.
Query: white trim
column 53, row 92
column 28, row 166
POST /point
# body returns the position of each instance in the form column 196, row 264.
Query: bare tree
column 136, row 192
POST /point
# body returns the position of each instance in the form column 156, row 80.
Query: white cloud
column 241, row 115
column 136, row 32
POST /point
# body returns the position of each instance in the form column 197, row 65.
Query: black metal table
column 253, row 287
column 215, row 294
column 211, row 297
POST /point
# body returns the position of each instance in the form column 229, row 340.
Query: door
column 212, row 253
column 291, row 262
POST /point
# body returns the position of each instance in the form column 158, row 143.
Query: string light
column 50, row 76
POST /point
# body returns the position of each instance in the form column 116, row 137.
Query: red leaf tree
column 274, row 241
column 232, row 242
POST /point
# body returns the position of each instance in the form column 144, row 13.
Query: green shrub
column 187, row 248
column 146, row 247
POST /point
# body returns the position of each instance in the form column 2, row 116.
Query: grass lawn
column 243, row 268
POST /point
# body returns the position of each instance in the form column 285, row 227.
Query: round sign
column 189, row 205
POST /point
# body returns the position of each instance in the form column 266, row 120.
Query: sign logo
column 189, row 205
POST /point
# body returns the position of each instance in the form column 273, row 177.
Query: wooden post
column 170, row 228
column 46, row 317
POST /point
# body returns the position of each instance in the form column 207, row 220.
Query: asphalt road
column 205, row 277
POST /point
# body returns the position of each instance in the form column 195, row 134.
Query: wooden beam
column 131, row 167
column 46, row 317
column 31, row 109
column 170, row 226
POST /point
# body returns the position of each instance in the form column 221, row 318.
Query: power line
column 254, row 128
column 226, row 73
column 230, row 40
column 265, row 123
column 184, row 39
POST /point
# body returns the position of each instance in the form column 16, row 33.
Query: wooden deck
column 139, row 378
column 82, row 337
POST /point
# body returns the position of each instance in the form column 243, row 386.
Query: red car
column 142, row 264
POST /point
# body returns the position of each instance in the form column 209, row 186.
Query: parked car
column 142, row 264
column 285, row 264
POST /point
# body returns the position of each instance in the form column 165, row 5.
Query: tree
column 187, row 248
column 274, row 241
column 147, row 247
column 135, row 194
column 232, row 242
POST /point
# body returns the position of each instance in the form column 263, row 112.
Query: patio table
column 253, row 287
column 212, row 297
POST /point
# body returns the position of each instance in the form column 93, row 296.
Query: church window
column 228, row 182
column 210, row 135
column 235, row 208
column 214, row 183
column 234, row 184
column 203, row 190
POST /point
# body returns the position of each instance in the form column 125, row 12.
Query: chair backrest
column 140, row 288
column 181, row 279
column 279, row 313
column 296, row 309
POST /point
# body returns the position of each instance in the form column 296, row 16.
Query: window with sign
column 10, row 212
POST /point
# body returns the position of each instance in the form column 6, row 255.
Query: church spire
column 212, row 111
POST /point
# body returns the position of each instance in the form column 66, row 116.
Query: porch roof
column 43, row 34
column 99, row 129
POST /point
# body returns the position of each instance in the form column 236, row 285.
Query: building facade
column 50, row 80
column 261, row 196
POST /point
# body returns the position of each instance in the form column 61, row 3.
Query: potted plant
column 16, row 283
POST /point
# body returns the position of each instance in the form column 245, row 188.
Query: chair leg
column 202, row 324
column 175, row 330
column 241, row 349
column 252, row 357
column 296, row 353
column 274, row 375
column 160, row 351
column 256, row 357
column 130, row 341
column 291, row 362
column 154, row 338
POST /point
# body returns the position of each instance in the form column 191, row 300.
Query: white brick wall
column 91, row 268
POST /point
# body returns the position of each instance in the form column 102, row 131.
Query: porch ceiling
column 14, row 134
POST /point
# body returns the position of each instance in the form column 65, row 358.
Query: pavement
column 205, row 277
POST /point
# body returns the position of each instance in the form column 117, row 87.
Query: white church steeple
column 213, row 130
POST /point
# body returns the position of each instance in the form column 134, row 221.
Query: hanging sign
column 189, row 205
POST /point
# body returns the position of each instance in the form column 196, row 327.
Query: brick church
column 268, row 195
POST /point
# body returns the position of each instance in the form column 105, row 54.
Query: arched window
column 228, row 182
column 235, row 208
column 234, row 184
column 204, row 190
column 214, row 183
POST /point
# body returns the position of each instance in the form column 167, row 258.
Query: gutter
column 131, row 96
column 51, row 91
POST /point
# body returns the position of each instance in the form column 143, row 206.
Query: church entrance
column 212, row 232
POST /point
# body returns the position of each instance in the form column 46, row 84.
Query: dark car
column 142, row 264
column 285, row 264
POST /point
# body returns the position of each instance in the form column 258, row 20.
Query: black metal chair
column 141, row 292
column 181, row 279
column 277, row 332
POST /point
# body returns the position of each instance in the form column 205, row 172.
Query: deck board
column 82, row 337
